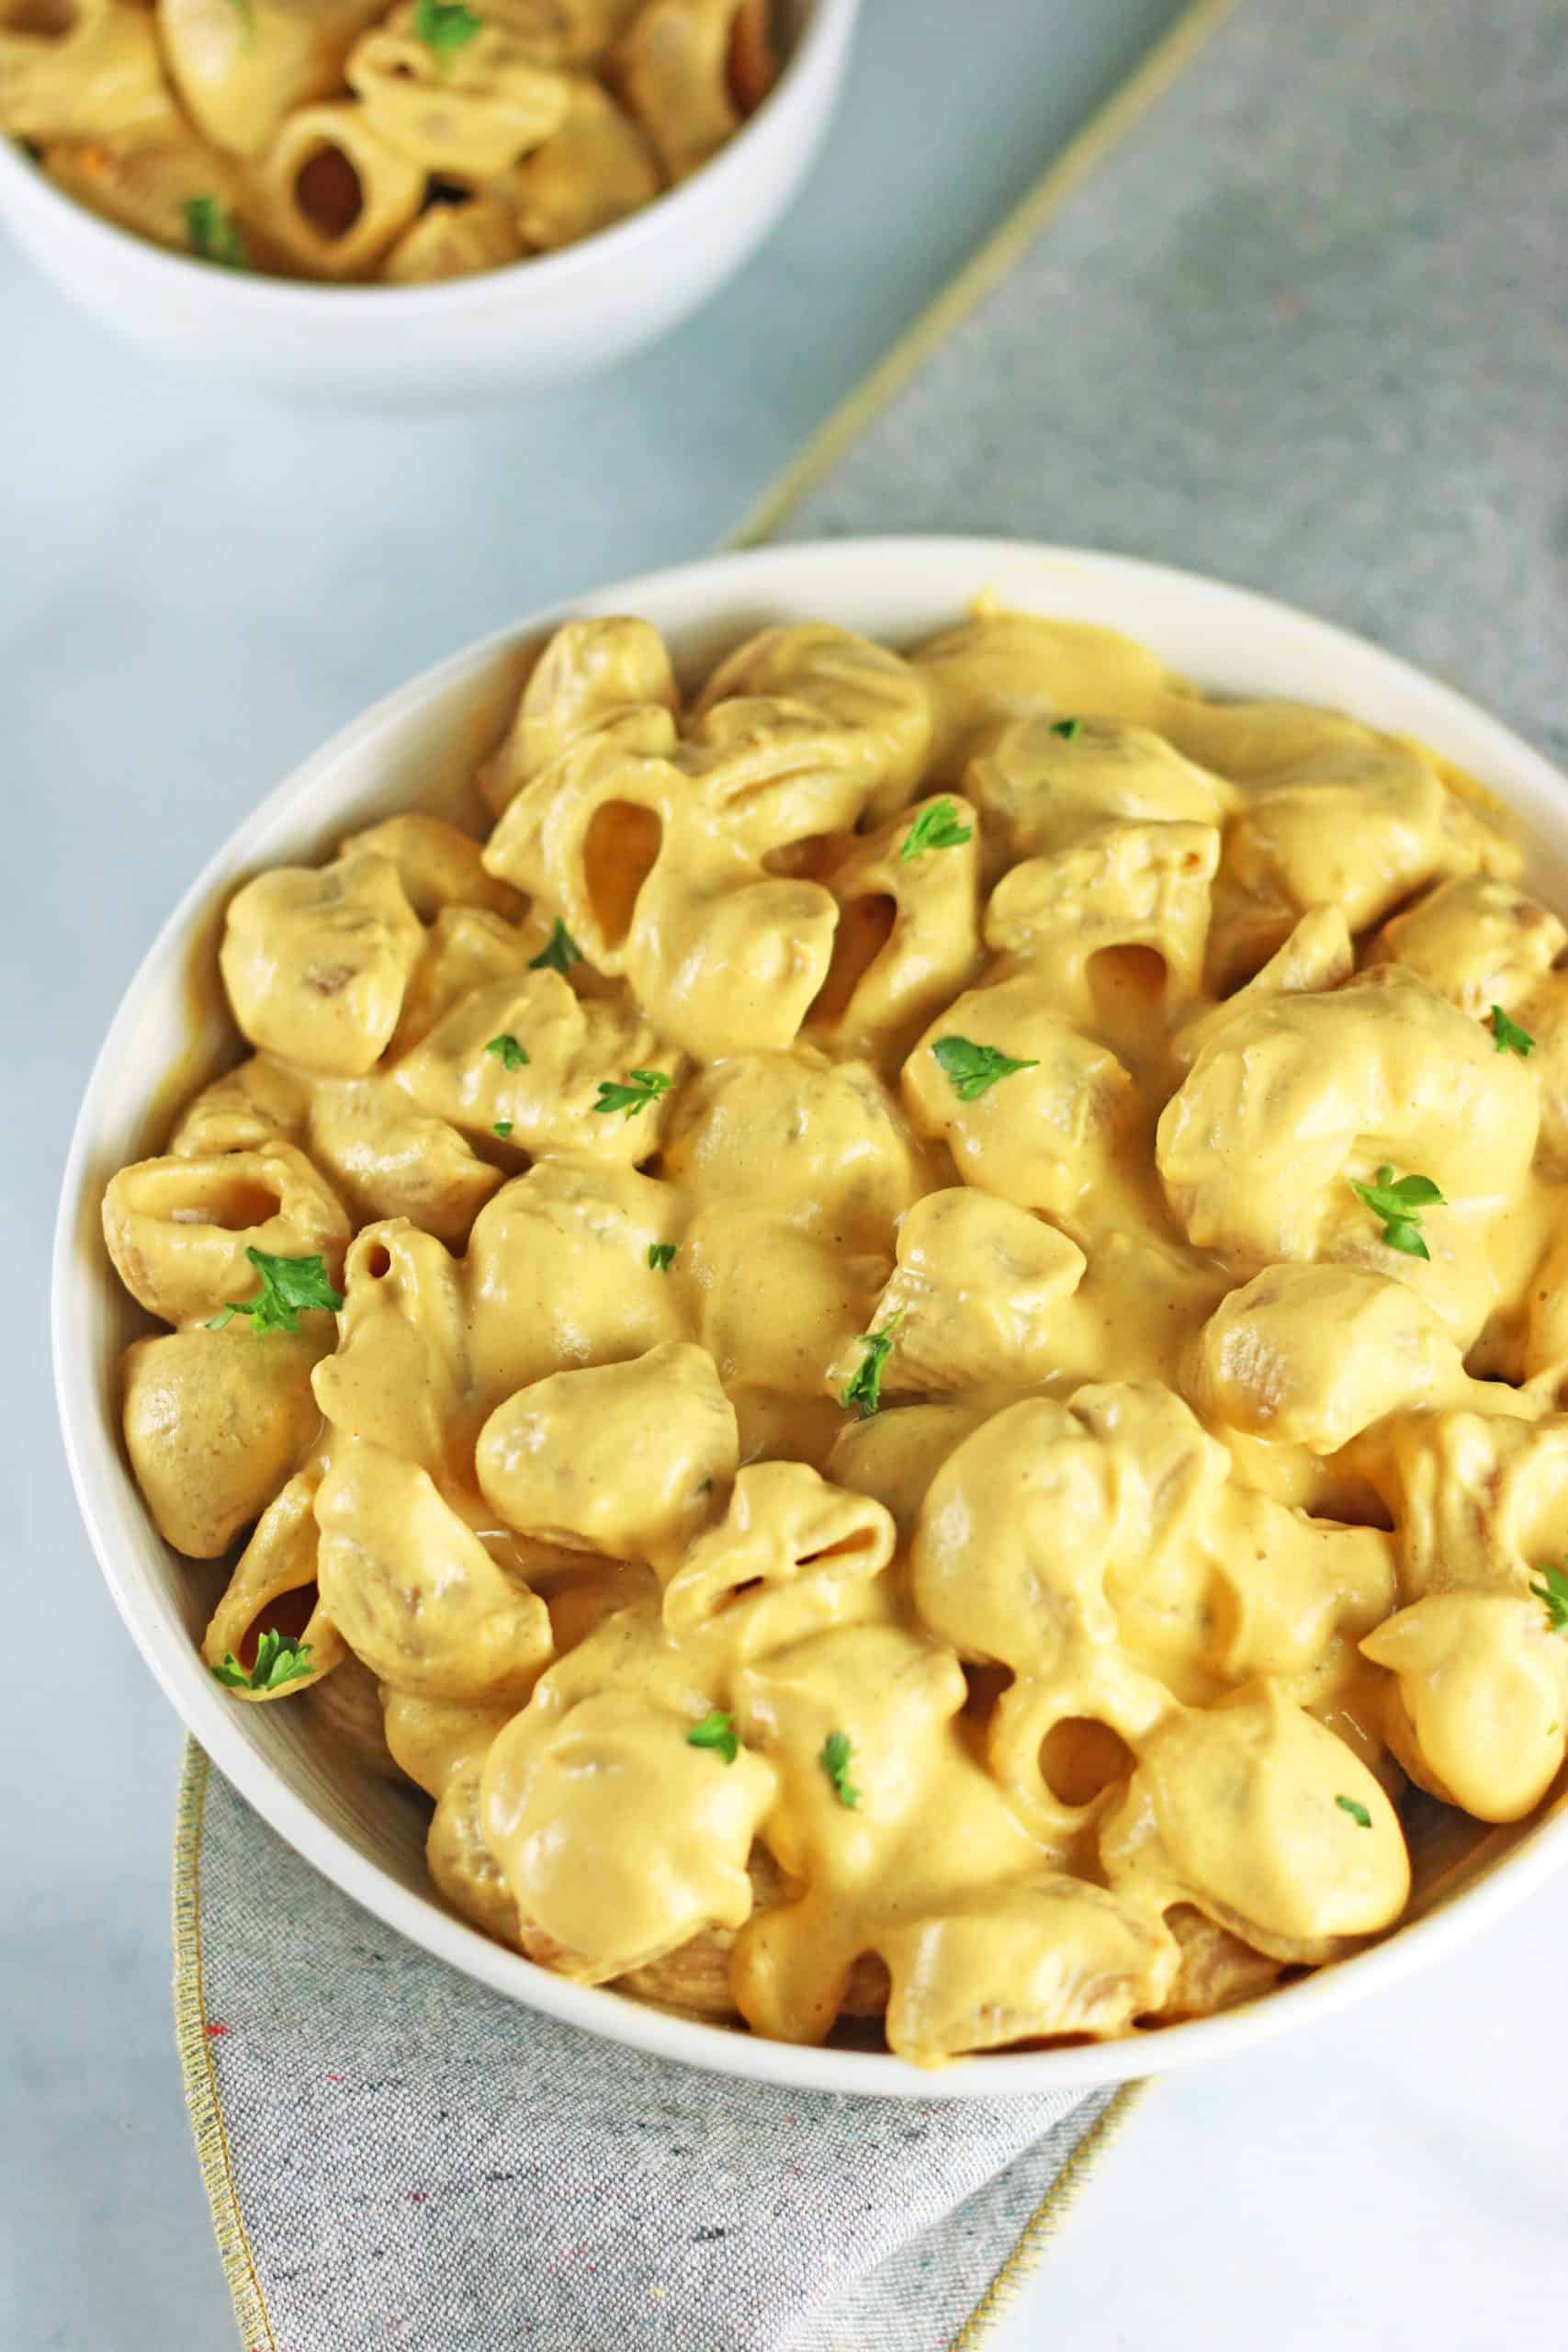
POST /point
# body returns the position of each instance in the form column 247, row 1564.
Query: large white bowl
column 420, row 746
column 537, row 323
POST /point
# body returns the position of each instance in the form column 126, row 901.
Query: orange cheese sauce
column 875, row 1458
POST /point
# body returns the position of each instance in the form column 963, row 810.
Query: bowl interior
column 420, row 749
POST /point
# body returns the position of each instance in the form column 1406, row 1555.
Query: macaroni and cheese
column 907, row 1344
column 347, row 141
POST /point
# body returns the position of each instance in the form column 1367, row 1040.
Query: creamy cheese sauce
column 873, row 1458
column 347, row 141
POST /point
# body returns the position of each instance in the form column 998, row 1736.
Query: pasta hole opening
column 845, row 1549
column 1491, row 1356
column 756, row 53
column 285, row 1612
column 866, row 926
column 1081, row 1757
column 329, row 193
column 1352, row 1505
column 234, row 1206
column 849, row 2032
column 739, row 1592
column 869, row 1987
column 983, row 1685
column 40, row 19
column 377, row 1261
column 620, row 850
column 810, row 859
column 1128, row 980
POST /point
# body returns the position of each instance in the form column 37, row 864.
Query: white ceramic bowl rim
column 624, row 241
column 1249, row 634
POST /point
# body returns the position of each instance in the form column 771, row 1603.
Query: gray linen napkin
column 1305, row 328
column 397, row 2157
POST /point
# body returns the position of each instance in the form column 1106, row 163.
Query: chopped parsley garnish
column 507, row 1051
column 1509, row 1037
column 445, row 26
column 1069, row 729
column 660, row 1256
column 214, row 233
column 502, row 1128
column 935, row 828
column 646, row 1087
column 973, row 1067
column 1400, row 1208
column 716, row 1731
column 1356, row 1811
column 835, row 1761
column 865, row 1390
column 1554, row 1590
column 280, row 1658
column 559, row 952
column 288, row 1286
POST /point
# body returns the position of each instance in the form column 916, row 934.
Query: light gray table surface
column 196, row 590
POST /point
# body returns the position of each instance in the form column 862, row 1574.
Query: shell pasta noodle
column 904, row 1343
column 347, row 142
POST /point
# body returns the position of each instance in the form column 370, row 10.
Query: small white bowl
column 537, row 323
column 420, row 747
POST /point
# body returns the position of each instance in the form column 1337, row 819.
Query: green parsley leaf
column 1554, row 1590
column 835, row 1761
column 660, row 1256
column 1509, row 1037
column 646, row 1086
column 561, row 953
column 935, row 828
column 1407, row 1240
column 973, row 1067
column 1069, row 729
column 716, row 1730
column 507, row 1051
column 1356, row 1811
column 289, row 1286
column 502, row 1128
column 865, row 1390
column 445, row 26
column 1399, row 1205
column 214, row 233
column 1390, row 1199
column 281, row 1658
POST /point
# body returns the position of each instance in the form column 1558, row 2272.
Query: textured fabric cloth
column 1306, row 328
column 397, row 2157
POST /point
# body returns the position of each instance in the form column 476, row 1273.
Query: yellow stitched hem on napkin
column 1047, row 2218
column 194, row 2044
